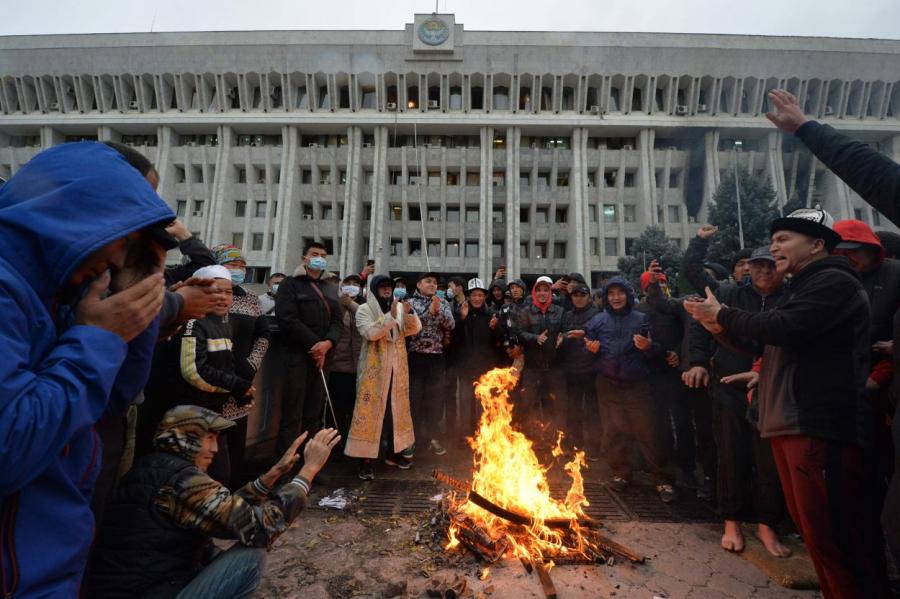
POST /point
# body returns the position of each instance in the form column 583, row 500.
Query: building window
column 396, row 212
column 524, row 214
column 240, row 209
column 523, row 250
column 629, row 179
column 257, row 242
column 452, row 178
column 562, row 179
column 396, row 247
column 306, row 176
column 559, row 250
column 497, row 217
column 307, row 210
column 367, row 212
column 198, row 208
column 452, row 215
column 592, row 212
column 543, row 181
column 857, row 213
column 595, row 246
column 452, row 248
column 471, row 249
column 562, row 215
column 434, row 248
column 260, row 210
column 237, row 240
column 609, row 213
column 326, row 212
column 674, row 179
column 414, row 213
column 197, row 174
column 180, row 208
column 496, row 250
column 630, row 213
column 674, row 214
column 611, row 246
column 542, row 215
column 540, row 250
column 525, row 179
column 180, row 176
column 473, row 179
column 499, row 179
column 472, row 214
column 876, row 218
column 609, row 177
column 434, row 214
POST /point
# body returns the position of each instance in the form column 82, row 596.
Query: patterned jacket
column 434, row 326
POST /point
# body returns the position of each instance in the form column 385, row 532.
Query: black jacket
column 531, row 323
column 198, row 256
column 874, row 176
column 306, row 316
column 816, row 357
column 724, row 360
column 575, row 357
column 882, row 285
column 474, row 341
column 669, row 319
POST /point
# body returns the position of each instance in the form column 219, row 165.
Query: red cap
column 645, row 279
column 855, row 232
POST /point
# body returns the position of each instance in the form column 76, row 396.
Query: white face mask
column 350, row 290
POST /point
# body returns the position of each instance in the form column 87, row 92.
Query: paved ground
column 371, row 549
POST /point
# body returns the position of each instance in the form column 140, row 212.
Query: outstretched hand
column 787, row 114
column 316, row 452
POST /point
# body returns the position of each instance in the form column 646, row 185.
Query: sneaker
column 409, row 452
column 366, row 471
column 618, row 483
column 667, row 493
column 707, row 489
column 398, row 461
column 437, row 448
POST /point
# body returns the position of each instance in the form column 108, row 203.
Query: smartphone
column 645, row 330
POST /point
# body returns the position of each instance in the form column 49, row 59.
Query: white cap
column 474, row 284
column 544, row 279
column 216, row 271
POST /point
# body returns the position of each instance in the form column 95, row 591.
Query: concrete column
column 351, row 254
column 379, row 241
column 647, row 174
column 51, row 137
column 284, row 246
column 486, row 202
column 216, row 213
column 710, row 171
column 775, row 167
column 513, row 203
column 578, row 255
column 271, row 198
column 163, row 163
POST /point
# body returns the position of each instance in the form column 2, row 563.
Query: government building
column 434, row 147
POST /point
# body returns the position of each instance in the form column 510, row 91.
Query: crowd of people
column 768, row 387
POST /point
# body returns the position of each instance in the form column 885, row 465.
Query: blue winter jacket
column 619, row 360
column 56, row 378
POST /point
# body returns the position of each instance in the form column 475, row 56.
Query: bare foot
column 772, row 543
column 733, row 539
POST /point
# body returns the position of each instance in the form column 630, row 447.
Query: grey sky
column 837, row 18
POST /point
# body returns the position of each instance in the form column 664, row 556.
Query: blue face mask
column 442, row 294
column 399, row 293
column 317, row 263
column 350, row 290
column 274, row 288
column 237, row 276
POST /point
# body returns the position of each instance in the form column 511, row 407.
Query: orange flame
column 508, row 473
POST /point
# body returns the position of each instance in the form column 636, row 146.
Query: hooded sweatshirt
column 57, row 377
column 619, row 360
column 882, row 282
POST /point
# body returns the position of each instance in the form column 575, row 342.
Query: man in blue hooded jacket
column 81, row 285
column 621, row 338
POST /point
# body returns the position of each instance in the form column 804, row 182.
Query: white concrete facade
column 546, row 152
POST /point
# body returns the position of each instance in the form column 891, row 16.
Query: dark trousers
column 628, row 414
column 700, row 412
column 469, row 405
column 542, row 402
column 748, row 487
column 237, row 447
column 677, row 418
column 427, row 395
column 343, row 394
column 583, row 412
column 303, row 403
column 828, row 487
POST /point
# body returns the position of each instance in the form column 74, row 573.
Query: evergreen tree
column 652, row 245
column 758, row 210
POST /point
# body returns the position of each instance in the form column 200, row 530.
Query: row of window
column 595, row 94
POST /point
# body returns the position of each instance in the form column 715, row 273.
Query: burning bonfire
column 508, row 510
